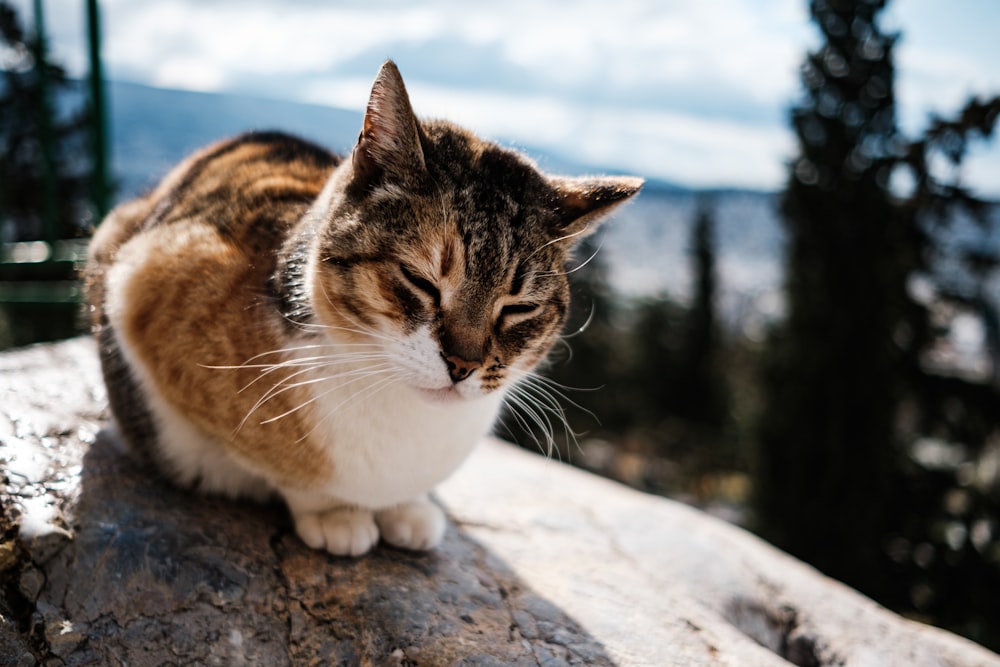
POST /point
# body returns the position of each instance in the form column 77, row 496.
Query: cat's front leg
column 321, row 523
column 418, row 524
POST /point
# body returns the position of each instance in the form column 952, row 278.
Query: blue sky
column 694, row 92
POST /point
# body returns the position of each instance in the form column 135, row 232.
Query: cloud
column 693, row 91
column 655, row 143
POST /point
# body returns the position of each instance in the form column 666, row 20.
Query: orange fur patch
column 192, row 308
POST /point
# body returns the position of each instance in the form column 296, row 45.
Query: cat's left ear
column 389, row 145
column 581, row 203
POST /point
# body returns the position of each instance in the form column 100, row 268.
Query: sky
column 692, row 92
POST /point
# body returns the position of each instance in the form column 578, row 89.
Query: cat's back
column 246, row 187
column 244, row 193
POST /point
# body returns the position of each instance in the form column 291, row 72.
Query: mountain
column 153, row 128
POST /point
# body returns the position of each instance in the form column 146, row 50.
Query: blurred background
column 794, row 327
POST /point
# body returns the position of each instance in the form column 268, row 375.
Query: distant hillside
column 153, row 128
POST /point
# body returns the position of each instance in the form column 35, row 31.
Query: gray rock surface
column 101, row 563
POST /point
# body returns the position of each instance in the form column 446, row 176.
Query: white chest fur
column 388, row 442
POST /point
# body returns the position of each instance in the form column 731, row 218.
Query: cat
column 275, row 320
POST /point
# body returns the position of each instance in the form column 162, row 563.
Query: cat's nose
column 459, row 368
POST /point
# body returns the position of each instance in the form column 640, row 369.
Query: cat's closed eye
column 423, row 285
column 518, row 312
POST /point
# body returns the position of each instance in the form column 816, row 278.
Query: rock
column 101, row 562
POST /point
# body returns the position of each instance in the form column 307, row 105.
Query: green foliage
column 946, row 544
column 849, row 396
column 32, row 92
column 699, row 392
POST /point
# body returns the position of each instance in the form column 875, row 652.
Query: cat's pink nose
column 459, row 368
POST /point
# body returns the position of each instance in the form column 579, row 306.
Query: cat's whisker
column 544, row 402
column 283, row 380
column 346, row 374
column 283, row 386
column 512, row 410
column 308, row 368
column 310, row 346
column 545, row 394
column 584, row 326
column 297, row 361
column 538, row 378
column 560, row 239
column 531, row 422
column 520, row 411
column 569, row 348
column 587, row 261
column 526, row 404
column 303, row 403
column 339, row 357
column 292, row 361
column 539, row 409
column 308, row 364
column 316, row 397
column 548, row 396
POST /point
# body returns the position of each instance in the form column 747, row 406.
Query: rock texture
column 101, row 563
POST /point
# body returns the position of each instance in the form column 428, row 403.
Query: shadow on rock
column 155, row 575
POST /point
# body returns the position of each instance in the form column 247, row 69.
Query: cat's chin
column 444, row 395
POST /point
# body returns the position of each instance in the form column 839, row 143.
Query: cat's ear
column 388, row 148
column 581, row 203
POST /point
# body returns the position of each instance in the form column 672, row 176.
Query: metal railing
column 40, row 292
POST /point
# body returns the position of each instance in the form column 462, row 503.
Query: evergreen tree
column 945, row 554
column 656, row 338
column 824, row 479
column 24, row 112
column 849, row 393
column 699, row 388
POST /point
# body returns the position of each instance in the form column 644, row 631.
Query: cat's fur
column 272, row 319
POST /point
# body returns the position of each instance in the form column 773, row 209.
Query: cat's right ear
column 388, row 149
column 582, row 203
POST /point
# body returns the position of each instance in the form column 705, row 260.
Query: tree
column 700, row 393
column 848, row 392
column 33, row 95
column 825, row 460
column 944, row 550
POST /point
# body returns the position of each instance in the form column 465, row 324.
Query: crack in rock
column 778, row 629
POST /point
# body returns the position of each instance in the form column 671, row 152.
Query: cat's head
column 446, row 252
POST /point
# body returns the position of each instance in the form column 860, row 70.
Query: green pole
column 99, row 120
column 49, row 189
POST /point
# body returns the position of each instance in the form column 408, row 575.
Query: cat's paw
column 419, row 525
column 343, row 531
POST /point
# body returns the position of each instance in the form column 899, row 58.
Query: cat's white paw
column 419, row 524
column 343, row 531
